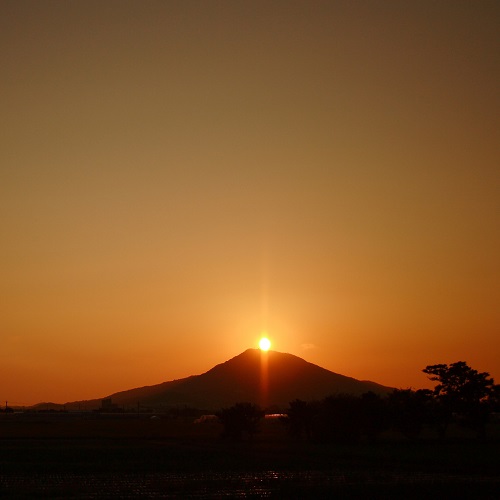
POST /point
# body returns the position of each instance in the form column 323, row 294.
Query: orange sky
column 176, row 177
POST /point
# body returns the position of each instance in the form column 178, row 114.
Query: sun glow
column 264, row 344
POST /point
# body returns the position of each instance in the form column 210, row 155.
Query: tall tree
column 463, row 391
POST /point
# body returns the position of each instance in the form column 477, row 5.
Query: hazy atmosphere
column 177, row 177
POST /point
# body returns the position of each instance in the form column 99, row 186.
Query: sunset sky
column 178, row 176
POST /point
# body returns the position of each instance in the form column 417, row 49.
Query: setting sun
column 264, row 344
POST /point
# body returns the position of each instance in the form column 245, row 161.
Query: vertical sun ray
column 264, row 291
column 264, row 379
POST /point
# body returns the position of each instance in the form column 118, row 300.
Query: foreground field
column 83, row 457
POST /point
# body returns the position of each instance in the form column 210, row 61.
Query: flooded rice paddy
column 116, row 458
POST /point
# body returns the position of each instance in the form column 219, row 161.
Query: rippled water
column 224, row 484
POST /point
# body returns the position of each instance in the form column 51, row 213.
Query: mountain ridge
column 267, row 378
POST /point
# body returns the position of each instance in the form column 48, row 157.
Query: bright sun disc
column 264, row 344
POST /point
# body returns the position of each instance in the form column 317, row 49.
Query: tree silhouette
column 300, row 418
column 409, row 410
column 374, row 415
column 463, row 392
column 242, row 418
column 338, row 419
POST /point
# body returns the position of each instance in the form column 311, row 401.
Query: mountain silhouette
column 266, row 378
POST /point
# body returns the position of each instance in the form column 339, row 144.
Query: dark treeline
column 462, row 395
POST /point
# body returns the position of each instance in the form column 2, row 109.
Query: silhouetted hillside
column 265, row 378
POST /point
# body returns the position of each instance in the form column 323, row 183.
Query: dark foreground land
column 62, row 456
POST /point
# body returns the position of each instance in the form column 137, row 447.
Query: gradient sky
column 178, row 176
